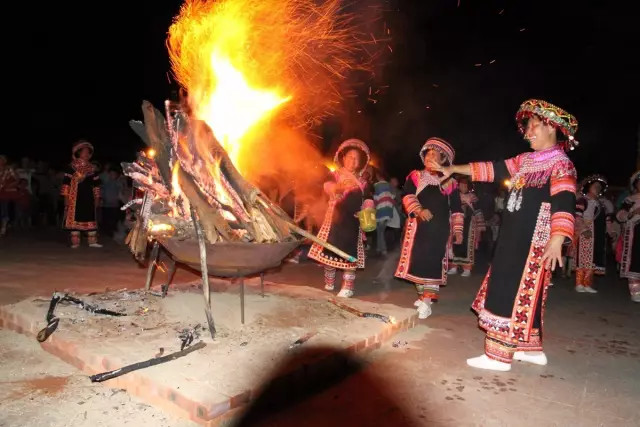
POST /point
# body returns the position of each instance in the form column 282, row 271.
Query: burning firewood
column 229, row 208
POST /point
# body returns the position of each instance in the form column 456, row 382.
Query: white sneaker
column 580, row 289
column 483, row 362
column 75, row 246
column 329, row 287
column 452, row 271
column 424, row 310
column 590, row 290
column 535, row 357
column 95, row 245
column 466, row 273
column 417, row 303
column 635, row 298
column 345, row 293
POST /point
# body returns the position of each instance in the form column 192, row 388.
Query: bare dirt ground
column 592, row 342
column 39, row 390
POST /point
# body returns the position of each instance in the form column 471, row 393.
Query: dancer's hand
column 425, row 215
column 553, row 253
column 457, row 238
column 446, row 171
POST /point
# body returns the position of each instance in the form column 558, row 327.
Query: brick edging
column 167, row 399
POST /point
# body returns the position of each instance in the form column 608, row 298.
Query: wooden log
column 158, row 139
column 248, row 193
column 211, row 220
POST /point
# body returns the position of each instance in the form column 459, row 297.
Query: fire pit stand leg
column 153, row 264
column 262, row 284
column 205, row 274
column 170, row 274
column 242, row 300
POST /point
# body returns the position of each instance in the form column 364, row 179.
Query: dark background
column 82, row 69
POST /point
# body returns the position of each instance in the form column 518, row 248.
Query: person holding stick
column 346, row 190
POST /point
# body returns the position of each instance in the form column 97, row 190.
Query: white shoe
column 452, row 271
column 590, row 290
column 329, row 287
column 75, row 246
column 417, row 303
column 95, row 245
column 345, row 293
column 483, row 362
column 466, row 273
column 535, row 357
column 424, row 310
column 580, row 289
column 635, row 298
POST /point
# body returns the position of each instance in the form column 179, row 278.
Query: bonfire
column 243, row 65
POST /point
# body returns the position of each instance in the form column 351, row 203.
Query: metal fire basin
column 230, row 259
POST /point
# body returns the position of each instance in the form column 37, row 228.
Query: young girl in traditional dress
column 463, row 255
column 346, row 190
column 591, row 232
column 81, row 191
column 629, row 216
column 429, row 205
column 538, row 219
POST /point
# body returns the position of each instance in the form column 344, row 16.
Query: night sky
column 73, row 71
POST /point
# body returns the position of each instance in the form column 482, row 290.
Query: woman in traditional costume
column 346, row 190
column 538, row 219
column 81, row 192
column 591, row 232
column 464, row 254
column 629, row 216
column 430, row 205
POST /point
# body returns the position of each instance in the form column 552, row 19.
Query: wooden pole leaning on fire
column 268, row 222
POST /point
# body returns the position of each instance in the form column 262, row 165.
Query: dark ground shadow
column 329, row 389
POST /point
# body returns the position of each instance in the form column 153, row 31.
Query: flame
column 176, row 191
column 242, row 61
column 234, row 106
column 222, row 91
column 159, row 227
column 331, row 165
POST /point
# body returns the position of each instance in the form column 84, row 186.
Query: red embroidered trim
column 411, row 203
column 316, row 251
column 457, row 220
column 482, row 172
column 562, row 224
column 402, row 271
column 70, row 214
column 513, row 164
column 564, row 177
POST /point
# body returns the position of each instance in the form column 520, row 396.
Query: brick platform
column 192, row 392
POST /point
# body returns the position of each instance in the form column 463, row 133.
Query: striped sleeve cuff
column 411, row 204
column 565, row 183
column 562, row 224
column 482, row 172
column 457, row 221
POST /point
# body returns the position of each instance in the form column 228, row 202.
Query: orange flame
column 331, row 165
column 243, row 61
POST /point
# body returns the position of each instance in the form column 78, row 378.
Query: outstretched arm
column 482, row 171
column 447, row 171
